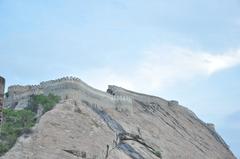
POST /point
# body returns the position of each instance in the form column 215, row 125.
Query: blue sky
column 186, row 50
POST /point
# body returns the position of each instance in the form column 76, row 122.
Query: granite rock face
column 117, row 124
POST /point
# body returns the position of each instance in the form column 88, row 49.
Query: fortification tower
column 2, row 86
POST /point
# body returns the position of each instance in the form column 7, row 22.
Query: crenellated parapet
column 15, row 90
column 121, row 98
column 122, row 103
column 18, row 94
column 115, row 90
column 73, row 87
column 66, row 87
column 59, row 81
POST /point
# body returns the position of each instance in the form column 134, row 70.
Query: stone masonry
column 117, row 124
column 2, row 86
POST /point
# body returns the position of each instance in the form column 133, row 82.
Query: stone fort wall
column 66, row 87
column 139, row 96
column 2, row 86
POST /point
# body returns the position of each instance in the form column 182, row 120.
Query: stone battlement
column 115, row 90
column 66, row 86
column 20, row 88
column 75, row 87
column 64, row 79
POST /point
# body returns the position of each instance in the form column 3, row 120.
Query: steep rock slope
column 120, row 124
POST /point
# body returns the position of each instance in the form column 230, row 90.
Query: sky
column 184, row 50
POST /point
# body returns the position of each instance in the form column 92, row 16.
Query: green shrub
column 47, row 102
column 3, row 148
column 158, row 154
column 15, row 121
column 18, row 122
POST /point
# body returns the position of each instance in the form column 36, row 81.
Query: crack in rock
column 122, row 135
column 118, row 129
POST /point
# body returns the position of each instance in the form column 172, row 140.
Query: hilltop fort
column 130, row 124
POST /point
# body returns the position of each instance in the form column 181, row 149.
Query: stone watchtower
column 2, row 86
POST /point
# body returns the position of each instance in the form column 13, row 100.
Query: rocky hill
column 117, row 124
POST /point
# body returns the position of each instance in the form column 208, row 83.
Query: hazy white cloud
column 222, row 61
column 165, row 67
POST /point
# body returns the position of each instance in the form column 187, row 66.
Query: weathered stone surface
column 88, row 121
column 2, row 87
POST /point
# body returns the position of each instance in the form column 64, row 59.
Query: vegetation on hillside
column 158, row 154
column 18, row 122
column 47, row 102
